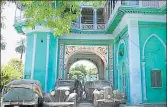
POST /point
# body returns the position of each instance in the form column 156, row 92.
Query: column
column 95, row 18
column 144, row 80
column 56, row 58
column 33, row 56
column 80, row 24
column 47, row 61
column 134, row 63
column 25, row 58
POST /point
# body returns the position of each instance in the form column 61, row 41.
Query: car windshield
column 65, row 83
column 100, row 84
column 23, row 86
column 8, row 88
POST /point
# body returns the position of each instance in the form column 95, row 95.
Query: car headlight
column 67, row 92
column 52, row 93
column 109, row 96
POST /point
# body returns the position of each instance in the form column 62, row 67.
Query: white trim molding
column 47, row 62
column 36, row 29
column 120, row 42
column 152, row 35
column 33, row 56
column 25, row 57
column 144, row 80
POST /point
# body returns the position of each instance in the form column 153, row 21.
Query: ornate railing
column 75, row 26
column 152, row 4
column 87, row 26
column 100, row 26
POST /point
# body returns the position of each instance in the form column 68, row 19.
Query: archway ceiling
column 85, row 56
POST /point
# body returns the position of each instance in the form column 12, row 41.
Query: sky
column 10, row 35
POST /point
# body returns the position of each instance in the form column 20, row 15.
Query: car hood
column 19, row 94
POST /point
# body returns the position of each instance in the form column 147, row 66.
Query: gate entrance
column 97, row 54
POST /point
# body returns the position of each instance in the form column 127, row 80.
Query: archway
column 86, row 56
column 83, row 70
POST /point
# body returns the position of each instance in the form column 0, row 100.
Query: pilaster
column 134, row 63
column 47, row 61
column 33, row 56
column 95, row 18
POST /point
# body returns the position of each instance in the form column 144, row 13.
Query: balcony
column 98, row 19
column 112, row 6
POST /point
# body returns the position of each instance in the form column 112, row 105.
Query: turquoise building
column 126, row 40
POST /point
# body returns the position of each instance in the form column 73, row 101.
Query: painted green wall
column 155, row 57
column 122, row 61
column 52, row 74
column 40, row 58
column 28, row 62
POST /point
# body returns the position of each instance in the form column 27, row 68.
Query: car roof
column 23, row 81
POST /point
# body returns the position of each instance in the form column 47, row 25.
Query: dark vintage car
column 104, row 93
column 88, row 90
column 66, row 93
column 19, row 93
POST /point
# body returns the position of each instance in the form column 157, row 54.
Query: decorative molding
column 110, row 64
column 33, row 56
column 144, row 80
column 47, row 61
column 36, row 29
column 120, row 42
column 101, row 51
column 61, row 61
column 152, row 35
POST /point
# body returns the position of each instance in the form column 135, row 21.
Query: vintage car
column 103, row 93
column 88, row 90
column 66, row 93
column 19, row 93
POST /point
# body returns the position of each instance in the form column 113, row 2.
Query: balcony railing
column 113, row 6
column 88, row 26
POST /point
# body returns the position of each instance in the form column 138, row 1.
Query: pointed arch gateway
column 96, row 54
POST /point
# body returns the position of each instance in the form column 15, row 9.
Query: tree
column 80, row 68
column 92, row 71
column 11, row 71
column 57, row 16
column 3, row 43
column 20, row 47
column 76, row 75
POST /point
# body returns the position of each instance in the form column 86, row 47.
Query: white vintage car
column 103, row 93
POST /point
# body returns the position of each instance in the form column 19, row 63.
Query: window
column 156, row 79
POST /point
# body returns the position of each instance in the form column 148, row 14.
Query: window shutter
column 156, row 79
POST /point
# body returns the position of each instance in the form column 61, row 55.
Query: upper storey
column 103, row 19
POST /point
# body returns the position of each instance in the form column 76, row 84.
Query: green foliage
column 57, row 15
column 80, row 68
column 76, row 75
column 11, row 71
column 92, row 71
column 79, row 72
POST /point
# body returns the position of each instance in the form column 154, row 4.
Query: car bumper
column 18, row 103
column 58, row 103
